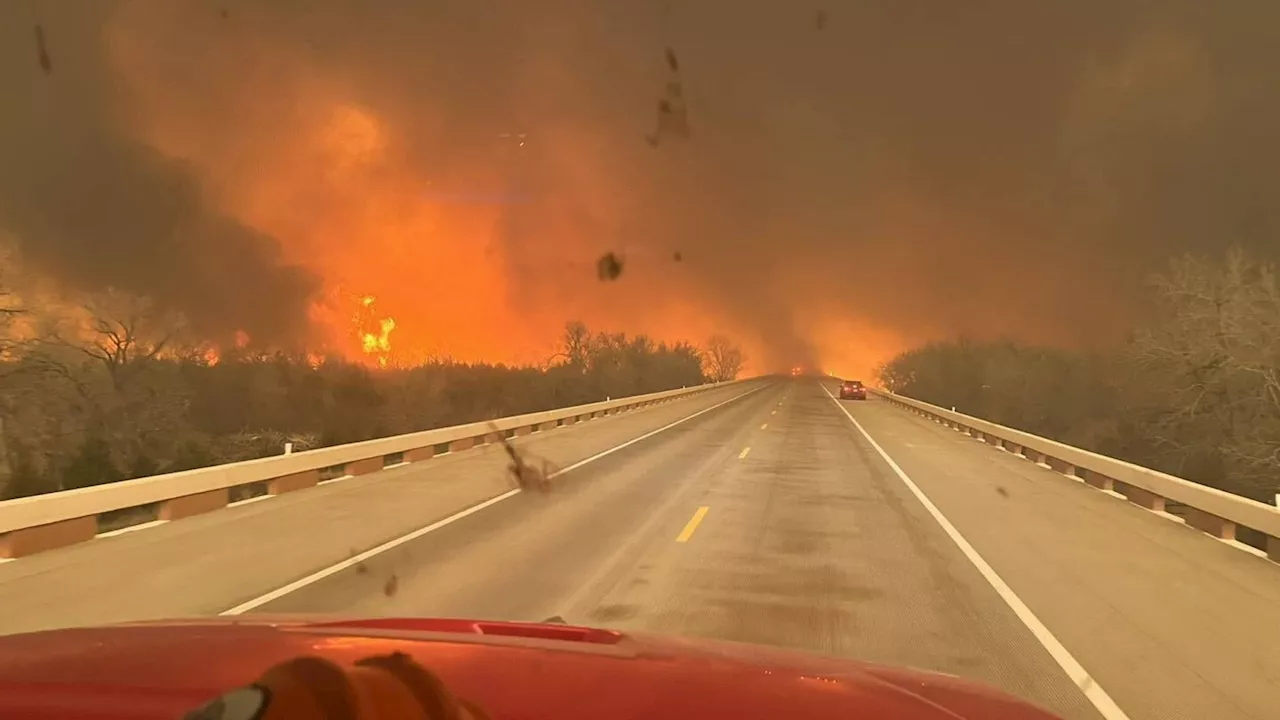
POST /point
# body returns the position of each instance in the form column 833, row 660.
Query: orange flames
column 352, row 189
column 374, row 332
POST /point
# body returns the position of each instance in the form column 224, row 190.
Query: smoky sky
column 988, row 168
column 95, row 206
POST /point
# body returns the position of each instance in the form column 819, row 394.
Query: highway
column 767, row 512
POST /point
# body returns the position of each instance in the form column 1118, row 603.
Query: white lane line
column 1072, row 667
column 131, row 528
column 357, row 559
column 246, row 501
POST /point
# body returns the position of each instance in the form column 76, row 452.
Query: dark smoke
column 91, row 203
column 995, row 167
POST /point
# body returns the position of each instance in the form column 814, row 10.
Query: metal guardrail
column 1208, row 509
column 43, row 522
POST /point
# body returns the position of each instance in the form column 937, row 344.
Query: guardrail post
column 1142, row 498
column 420, row 454
column 189, row 505
column 1211, row 524
column 1102, row 482
column 28, row 541
column 290, row 483
column 364, row 467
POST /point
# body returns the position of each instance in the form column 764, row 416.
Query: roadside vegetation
column 1195, row 391
column 115, row 390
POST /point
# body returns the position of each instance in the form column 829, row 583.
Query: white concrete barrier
column 1214, row 511
column 42, row 522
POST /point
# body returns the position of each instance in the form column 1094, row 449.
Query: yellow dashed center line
column 692, row 525
column 764, row 426
column 773, row 412
column 744, row 452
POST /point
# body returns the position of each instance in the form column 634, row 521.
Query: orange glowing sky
column 842, row 195
column 292, row 153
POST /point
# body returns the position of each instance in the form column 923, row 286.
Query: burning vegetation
column 110, row 386
column 374, row 331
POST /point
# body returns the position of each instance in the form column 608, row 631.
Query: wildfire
column 381, row 342
column 322, row 143
column 375, row 343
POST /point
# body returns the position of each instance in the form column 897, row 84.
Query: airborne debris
column 361, row 568
column 527, row 476
column 609, row 266
column 392, row 586
column 820, row 21
column 677, row 256
column 1002, row 491
column 673, row 118
column 42, row 51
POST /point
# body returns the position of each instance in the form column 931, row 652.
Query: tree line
column 114, row 389
column 1194, row 391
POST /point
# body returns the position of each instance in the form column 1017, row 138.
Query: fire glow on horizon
column 373, row 196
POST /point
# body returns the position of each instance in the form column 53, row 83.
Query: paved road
column 207, row 564
column 1174, row 624
column 764, row 515
column 808, row 541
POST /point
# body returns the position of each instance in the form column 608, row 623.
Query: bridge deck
column 809, row 539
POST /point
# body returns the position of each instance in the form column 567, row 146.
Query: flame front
column 337, row 179
column 374, row 343
column 381, row 342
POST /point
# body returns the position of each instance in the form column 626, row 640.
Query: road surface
column 759, row 514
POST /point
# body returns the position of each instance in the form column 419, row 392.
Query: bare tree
column 723, row 359
column 575, row 344
column 122, row 332
column 110, row 356
column 1213, row 363
column 10, row 310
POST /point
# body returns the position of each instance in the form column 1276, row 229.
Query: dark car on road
column 853, row 390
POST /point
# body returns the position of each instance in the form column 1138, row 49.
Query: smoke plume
column 839, row 180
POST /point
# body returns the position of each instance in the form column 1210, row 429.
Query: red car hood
column 515, row 671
